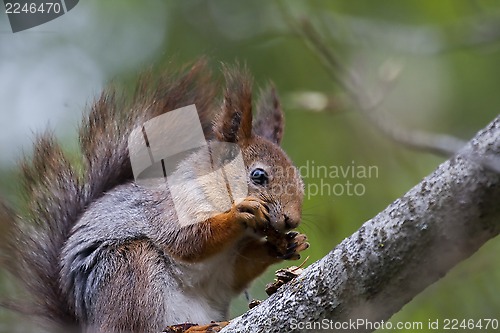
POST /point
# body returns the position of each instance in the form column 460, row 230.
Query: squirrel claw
column 289, row 245
column 254, row 214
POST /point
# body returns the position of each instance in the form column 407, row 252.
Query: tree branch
column 397, row 254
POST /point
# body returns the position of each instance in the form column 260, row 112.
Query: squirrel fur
column 98, row 252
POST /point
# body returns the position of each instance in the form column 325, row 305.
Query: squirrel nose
column 290, row 223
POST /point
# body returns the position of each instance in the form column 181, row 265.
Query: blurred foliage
column 449, row 55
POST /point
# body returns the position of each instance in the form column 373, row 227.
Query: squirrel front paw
column 287, row 246
column 254, row 214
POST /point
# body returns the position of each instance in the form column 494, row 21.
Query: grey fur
column 105, row 254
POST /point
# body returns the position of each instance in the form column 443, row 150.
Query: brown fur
column 270, row 124
column 254, row 257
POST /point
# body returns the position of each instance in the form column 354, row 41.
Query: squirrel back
column 91, row 237
column 57, row 191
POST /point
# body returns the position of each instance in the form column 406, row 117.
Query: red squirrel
column 99, row 252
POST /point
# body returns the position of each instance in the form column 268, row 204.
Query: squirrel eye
column 259, row 176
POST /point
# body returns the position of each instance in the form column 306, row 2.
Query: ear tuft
column 269, row 122
column 234, row 122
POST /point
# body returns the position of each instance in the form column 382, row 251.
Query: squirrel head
column 271, row 176
column 249, row 151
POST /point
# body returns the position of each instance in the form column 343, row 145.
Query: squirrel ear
column 269, row 122
column 234, row 122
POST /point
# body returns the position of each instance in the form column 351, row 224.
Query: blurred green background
column 447, row 54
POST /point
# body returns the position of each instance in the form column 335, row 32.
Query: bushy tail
column 59, row 187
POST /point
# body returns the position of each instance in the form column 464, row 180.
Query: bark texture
column 398, row 253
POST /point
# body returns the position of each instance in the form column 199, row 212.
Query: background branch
column 367, row 103
column 479, row 32
column 394, row 256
